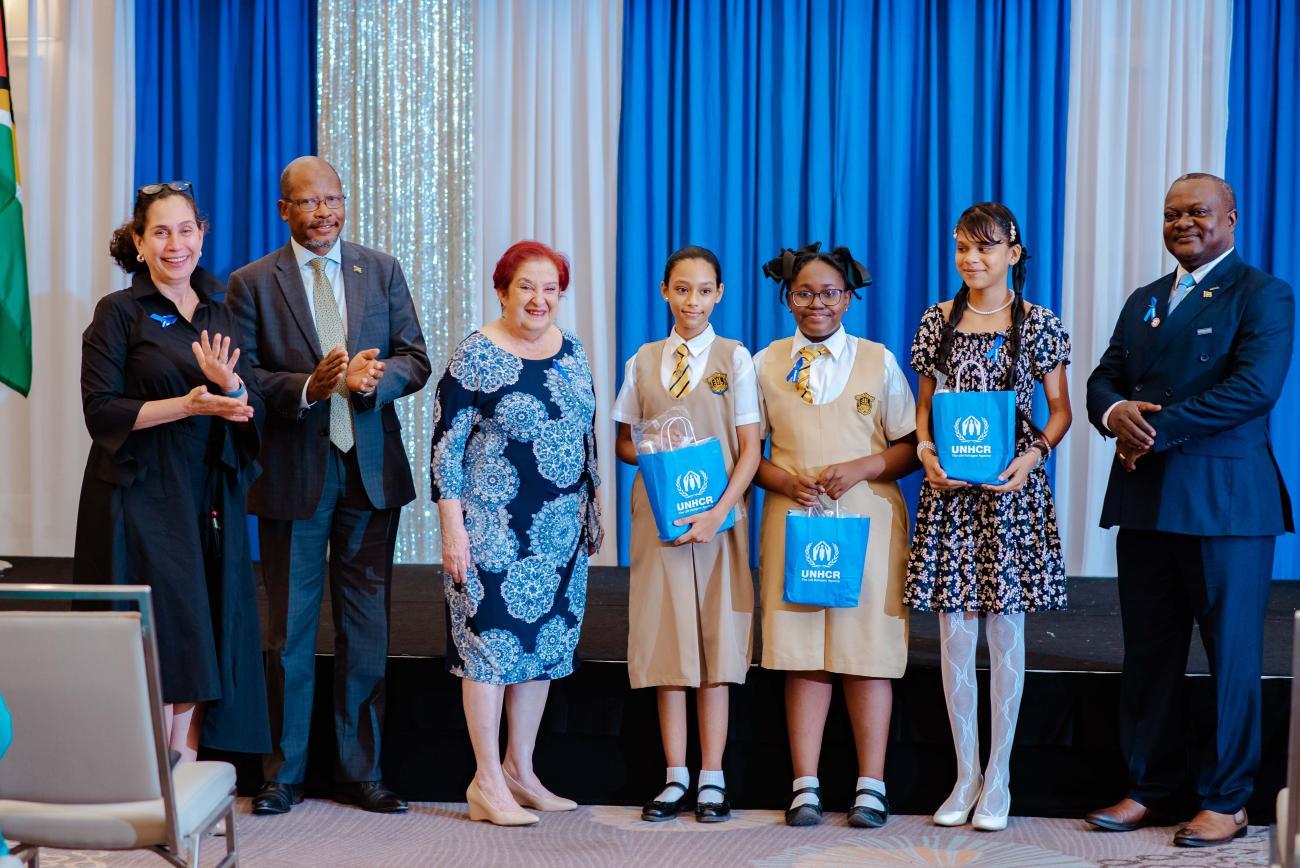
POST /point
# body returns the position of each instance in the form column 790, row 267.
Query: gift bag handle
column 666, row 442
column 984, row 375
column 823, row 510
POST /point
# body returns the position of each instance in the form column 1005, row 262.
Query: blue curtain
column 225, row 97
column 1263, row 140
column 749, row 125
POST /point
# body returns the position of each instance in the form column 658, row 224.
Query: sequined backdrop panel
column 396, row 104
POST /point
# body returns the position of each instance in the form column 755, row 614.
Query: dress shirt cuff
column 1105, row 417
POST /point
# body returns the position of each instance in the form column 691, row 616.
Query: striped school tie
column 329, row 328
column 806, row 356
column 680, row 382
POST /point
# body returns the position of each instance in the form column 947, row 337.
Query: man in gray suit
column 331, row 331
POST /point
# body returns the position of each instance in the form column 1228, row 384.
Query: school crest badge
column 718, row 383
column 866, row 403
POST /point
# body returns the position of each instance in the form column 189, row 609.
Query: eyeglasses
column 154, row 189
column 805, row 297
column 333, row 203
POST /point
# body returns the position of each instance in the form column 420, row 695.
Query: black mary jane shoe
column 713, row 812
column 869, row 818
column 656, row 811
column 805, row 815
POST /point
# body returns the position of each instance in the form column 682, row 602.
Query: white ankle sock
column 870, row 801
column 676, row 775
column 711, row 779
column 805, row 798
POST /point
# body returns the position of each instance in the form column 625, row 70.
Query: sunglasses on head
column 154, row 189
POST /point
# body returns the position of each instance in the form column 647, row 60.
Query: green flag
column 15, row 306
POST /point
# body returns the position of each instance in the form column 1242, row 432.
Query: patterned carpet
column 321, row 833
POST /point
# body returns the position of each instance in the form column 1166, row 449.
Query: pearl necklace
column 974, row 309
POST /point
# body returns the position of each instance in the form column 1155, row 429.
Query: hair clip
column 1012, row 239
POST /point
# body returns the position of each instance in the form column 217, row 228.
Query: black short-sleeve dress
column 974, row 550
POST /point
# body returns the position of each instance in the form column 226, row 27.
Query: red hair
column 519, row 253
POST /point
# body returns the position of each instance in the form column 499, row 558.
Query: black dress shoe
column 869, row 818
column 656, row 811
column 277, row 798
column 370, row 796
column 805, row 815
column 713, row 812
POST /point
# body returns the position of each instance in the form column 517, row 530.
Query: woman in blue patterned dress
column 514, row 475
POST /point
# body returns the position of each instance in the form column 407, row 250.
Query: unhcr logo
column 692, row 483
column 821, row 554
column 971, row 429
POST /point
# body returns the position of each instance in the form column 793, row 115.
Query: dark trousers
column 359, row 540
column 1165, row 582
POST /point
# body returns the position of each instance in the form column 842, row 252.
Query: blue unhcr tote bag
column 684, row 481
column 974, row 432
column 825, row 555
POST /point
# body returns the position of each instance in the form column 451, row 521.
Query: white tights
column 958, row 636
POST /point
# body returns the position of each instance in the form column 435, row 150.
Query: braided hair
column 785, row 268
column 992, row 223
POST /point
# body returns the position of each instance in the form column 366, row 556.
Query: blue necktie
column 1180, row 292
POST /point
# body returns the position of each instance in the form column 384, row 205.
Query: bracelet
column 923, row 446
column 1036, row 448
column 1044, row 449
column 237, row 392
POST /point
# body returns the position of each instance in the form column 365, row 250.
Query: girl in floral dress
column 990, row 552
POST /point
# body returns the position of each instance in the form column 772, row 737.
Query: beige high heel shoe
column 529, row 799
column 479, row 809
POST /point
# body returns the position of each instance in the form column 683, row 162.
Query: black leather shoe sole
column 713, row 812
column 804, row 815
column 1106, row 824
column 658, row 812
column 375, row 807
column 867, row 818
column 1180, row 841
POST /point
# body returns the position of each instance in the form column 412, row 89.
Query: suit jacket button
column 1205, row 357
column 324, row 432
column 1137, row 388
column 1169, row 393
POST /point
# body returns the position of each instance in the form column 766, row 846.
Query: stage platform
column 599, row 740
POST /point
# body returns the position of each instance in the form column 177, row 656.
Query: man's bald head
column 312, row 203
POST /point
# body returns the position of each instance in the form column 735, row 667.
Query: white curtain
column 1148, row 102
column 71, row 70
column 546, row 167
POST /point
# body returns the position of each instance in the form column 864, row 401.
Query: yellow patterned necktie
column 680, row 382
column 806, row 355
column 329, row 329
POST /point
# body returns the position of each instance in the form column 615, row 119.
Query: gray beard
column 321, row 246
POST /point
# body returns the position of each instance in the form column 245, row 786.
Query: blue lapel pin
column 165, row 319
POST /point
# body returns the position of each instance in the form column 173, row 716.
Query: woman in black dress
column 171, row 410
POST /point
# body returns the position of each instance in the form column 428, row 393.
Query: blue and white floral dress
column 513, row 441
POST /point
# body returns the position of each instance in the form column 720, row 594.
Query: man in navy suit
column 1196, row 362
column 331, row 332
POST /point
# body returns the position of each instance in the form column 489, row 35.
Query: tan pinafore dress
column 690, row 607
column 870, row 639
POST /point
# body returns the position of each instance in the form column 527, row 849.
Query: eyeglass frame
column 819, row 294
column 300, row 204
column 185, row 188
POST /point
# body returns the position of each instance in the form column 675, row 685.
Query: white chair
column 1285, row 839
column 88, row 767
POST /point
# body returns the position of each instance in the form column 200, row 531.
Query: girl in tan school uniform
column 841, row 420
column 691, row 601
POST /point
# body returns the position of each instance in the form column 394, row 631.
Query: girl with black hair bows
column 989, row 551
column 840, row 417
column 691, row 602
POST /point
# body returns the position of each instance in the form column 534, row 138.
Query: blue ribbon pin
column 1151, row 311
column 165, row 319
column 995, row 349
column 793, row 376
